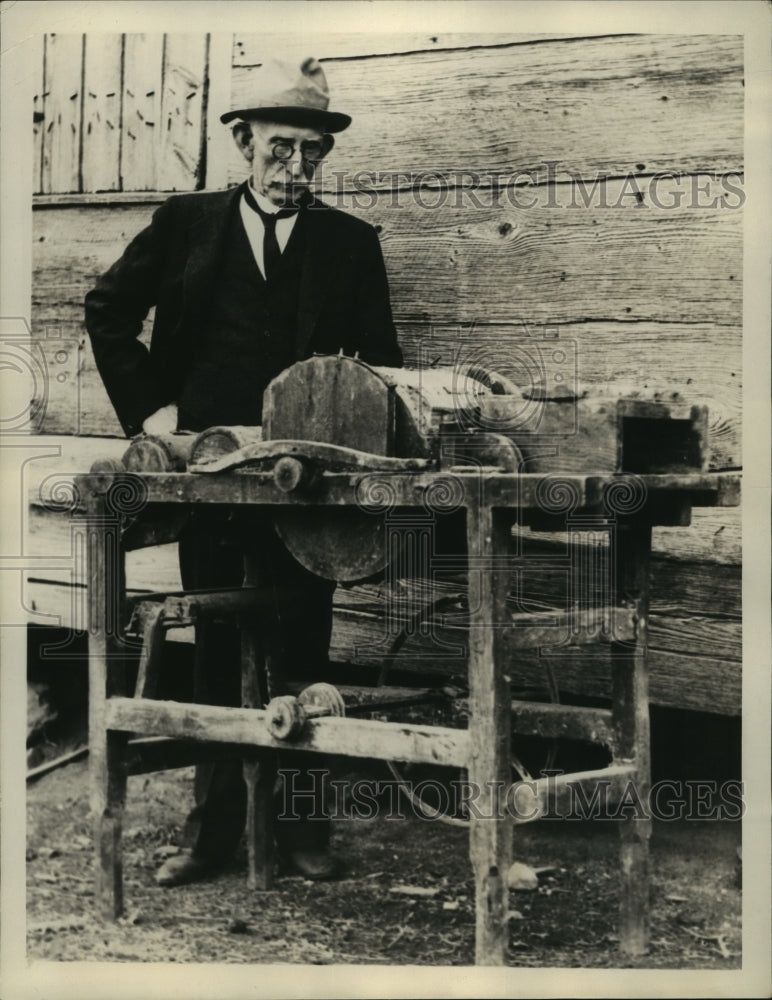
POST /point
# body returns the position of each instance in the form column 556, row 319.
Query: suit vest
column 247, row 336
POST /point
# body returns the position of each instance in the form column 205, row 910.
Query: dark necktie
column 271, row 251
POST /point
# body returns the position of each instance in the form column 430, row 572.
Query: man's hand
column 163, row 421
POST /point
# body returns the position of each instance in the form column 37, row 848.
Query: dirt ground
column 406, row 898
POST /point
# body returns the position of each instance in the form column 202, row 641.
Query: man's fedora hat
column 283, row 92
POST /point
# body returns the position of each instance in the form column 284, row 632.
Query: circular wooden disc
column 340, row 401
column 324, row 696
column 337, row 543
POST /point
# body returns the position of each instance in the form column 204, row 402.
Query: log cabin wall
column 526, row 190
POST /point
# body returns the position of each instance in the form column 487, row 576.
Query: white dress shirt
column 255, row 229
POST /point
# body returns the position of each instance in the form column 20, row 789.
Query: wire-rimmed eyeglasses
column 311, row 150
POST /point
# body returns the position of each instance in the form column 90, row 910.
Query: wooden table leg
column 632, row 549
column 106, row 677
column 259, row 770
column 260, row 776
column 490, row 829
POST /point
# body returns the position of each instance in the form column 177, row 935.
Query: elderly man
column 244, row 283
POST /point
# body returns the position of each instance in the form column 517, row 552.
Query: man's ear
column 242, row 136
column 328, row 141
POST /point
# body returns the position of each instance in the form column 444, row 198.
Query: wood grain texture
column 678, row 679
column 103, row 63
column 605, row 105
column 141, row 126
column 330, row 400
column 490, row 759
column 628, row 291
column 252, row 49
column 218, row 140
column 36, row 51
column 541, row 257
column 462, row 264
column 182, row 113
column 62, row 107
column 358, row 737
column 711, row 634
column 106, row 671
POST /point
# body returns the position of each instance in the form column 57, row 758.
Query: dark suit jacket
column 344, row 300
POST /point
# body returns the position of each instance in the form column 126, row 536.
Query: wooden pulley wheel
column 323, row 696
column 285, row 717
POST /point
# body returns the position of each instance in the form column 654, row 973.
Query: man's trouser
column 296, row 633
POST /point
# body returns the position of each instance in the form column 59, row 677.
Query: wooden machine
column 346, row 453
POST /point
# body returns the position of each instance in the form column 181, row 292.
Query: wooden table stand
column 493, row 502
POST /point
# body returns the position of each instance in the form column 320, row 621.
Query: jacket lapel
column 207, row 236
column 320, row 261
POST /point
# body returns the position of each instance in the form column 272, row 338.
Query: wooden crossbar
column 354, row 737
column 559, row 794
column 578, row 627
column 568, row 722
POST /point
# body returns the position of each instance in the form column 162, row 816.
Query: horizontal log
column 533, row 256
column 597, row 495
column 685, row 678
column 713, row 631
column 570, row 722
column 702, row 635
column 215, row 442
column 49, row 462
column 353, row 737
column 605, row 372
column 538, row 257
column 361, row 699
column 188, row 607
column 577, row 627
column 668, row 102
column 159, row 453
column 714, row 535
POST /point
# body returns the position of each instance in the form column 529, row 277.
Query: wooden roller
column 175, row 452
column 148, row 453
column 159, row 453
column 155, row 524
column 215, row 442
